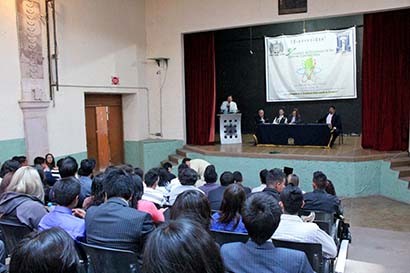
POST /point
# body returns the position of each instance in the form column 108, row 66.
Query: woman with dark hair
column 192, row 205
column 9, row 166
column 295, row 117
column 50, row 161
column 229, row 217
column 181, row 246
column 49, row 251
column 330, row 188
column 97, row 196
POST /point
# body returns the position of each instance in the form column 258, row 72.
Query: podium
column 230, row 128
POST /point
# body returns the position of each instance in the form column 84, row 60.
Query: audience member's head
column 41, row 161
column 66, row 191
column 86, row 167
column 21, row 159
column 41, row 173
column 163, row 177
column 5, row 182
column 137, row 190
column 186, row 161
column 167, row 166
column 232, row 203
column 26, row 180
column 261, row 216
column 128, row 168
column 97, row 190
column 210, row 174
column 262, row 176
column 59, row 163
column 118, row 183
column 292, row 199
column 68, row 167
column 49, row 251
column 9, row 166
column 181, row 246
column 237, row 177
column 151, row 178
column 193, row 205
column 226, row 178
column 50, row 160
column 293, row 179
column 181, row 167
column 188, row 177
column 140, row 172
column 276, row 179
column 319, row 180
column 330, row 188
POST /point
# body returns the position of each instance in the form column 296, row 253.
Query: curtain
column 200, row 88
column 386, row 80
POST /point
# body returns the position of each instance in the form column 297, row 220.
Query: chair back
column 108, row 260
column 13, row 233
column 325, row 220
column 223, row 237
column 313, row 252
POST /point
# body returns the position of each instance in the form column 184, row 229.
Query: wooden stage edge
column 349, row 151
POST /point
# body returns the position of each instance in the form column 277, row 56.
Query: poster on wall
column 311, row 66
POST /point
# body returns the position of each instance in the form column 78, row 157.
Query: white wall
column 166, row 20
column 98, row 39
column 11, row 117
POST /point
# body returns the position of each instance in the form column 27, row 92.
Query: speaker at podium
column 230, row 128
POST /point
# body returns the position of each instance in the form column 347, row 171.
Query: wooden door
column 104, row 127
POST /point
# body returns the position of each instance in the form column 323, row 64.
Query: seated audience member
column 85, row 173
column 66, row 194
column 295, row 117
column 6, row 182
column 175, row 182
column 187, row 161
column 192, row 205
column 97, row 196
column 330, row 189
column 21, row 159
column 229, row 217
column 260, row 118
column 68, row 167
column 275, row 182
column 8, row 167
column 114, row 223
column 181, row 246
column 51, row 172
column 49, row 180
column 164, row 185
column 40, row 161
column 280, row 118
column 210, row 177
column 3, row 268
column 23, row 200
column 140, row 172
column 262, row 176
column 215, row 196
column 199, row 165
column 49, row 251
column 319, row 199
column 292, row 228
column 238, row 179
column 168, row 167
column 261, row 215
column 293, row 179
column 151, row 193
column 187, row 177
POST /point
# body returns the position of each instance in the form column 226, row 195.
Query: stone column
column 34, row 102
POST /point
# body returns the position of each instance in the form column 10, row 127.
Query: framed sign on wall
column 292, row 6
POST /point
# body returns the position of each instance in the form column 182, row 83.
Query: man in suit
column 229, row 106
column 275, row 183
column 335, row 123
column 319, row 199
column 261, row 216
column 215, row 196
column 115, row 224
column 260, row 118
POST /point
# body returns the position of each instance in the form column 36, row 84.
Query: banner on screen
column 311, row 66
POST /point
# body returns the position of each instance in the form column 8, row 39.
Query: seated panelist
column 295, row 117
column 280, row 118
column 260, row 118
column 229, row 106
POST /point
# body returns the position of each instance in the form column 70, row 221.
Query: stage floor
column 350, row 150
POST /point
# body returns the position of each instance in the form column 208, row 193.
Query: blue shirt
column 216, row 225
column 62, row 217
column 85, row 182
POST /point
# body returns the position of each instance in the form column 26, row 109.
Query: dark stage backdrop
column 243, row 74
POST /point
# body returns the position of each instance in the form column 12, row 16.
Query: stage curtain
column 386, row 80
column 200, row 87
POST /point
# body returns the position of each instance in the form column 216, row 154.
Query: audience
column 9, row 166
column 292, row 228
column 68, row 167
column 175, row 182
column 97, row 196
column 262, row 176
column 21, row 159
column 319, row 199
column 187, row 161
column 181, row 246
column 49, row 251
column 85, row 174
column 140, row 172
column 210, row 177
column 66, row 194
column 187, row 177
column 151, row 194
column 293, row 179
column 229, row 217
column 199, row 165
column 168, row 167
column 114, row 223
column 275, row 182
column 215, row 196
column 192, row 205
column 23, row 200
column 261, row 215
column 238, row 179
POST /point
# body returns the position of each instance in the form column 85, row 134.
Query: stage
column 349, row 151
